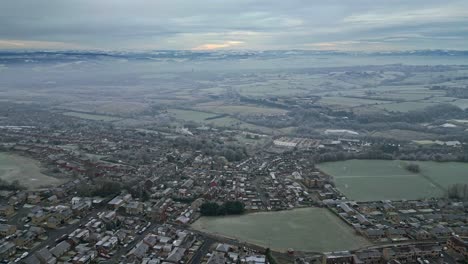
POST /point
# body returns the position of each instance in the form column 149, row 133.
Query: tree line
column 227, row 208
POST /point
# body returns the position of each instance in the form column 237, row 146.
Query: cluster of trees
column 270, row 257
column 413, row 167
column 107, row 188
column 431, row 113
column 100, row 188
column 227, row 208
column 11, row 186
column 458, row 192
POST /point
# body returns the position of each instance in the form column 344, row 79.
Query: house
column 6, row 210
column 17, row 199
column 150, row 240
column 348, row 210
column 52, row 199
column 363, row 220
column 60, row 249
column 176, row 255
column 395, row 232
column 33, row 199
column 458, row 245
column 63, row 214
column 7, row 249
column 255, row 260
column 374, row 233
column 115, row 203
column 26, row 239
column 138, row 252
column 313, row 181
column 217, row 258
column 370, row 256
column 134, row 208
column 38, row 217
column 420, row 234
column 275, row 202
column 53, row 222
column 45, row 257
column 7, row 230
column 401, row 254
column 223, row 248
column 342, row 257
column 410, row 253
column 441, row 231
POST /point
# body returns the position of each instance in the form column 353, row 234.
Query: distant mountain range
column 24, row 56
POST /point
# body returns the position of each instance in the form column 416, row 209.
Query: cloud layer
column 234, row 24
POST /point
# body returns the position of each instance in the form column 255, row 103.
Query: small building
column 7, row 230
column 6, row 210
column 60, row 249
column 458, row 245
column 134, row 208
column 7, row 249
column 342, row 257
column 33, row 199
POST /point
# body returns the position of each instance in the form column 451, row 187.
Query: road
column 123, row 250
column 202, row 251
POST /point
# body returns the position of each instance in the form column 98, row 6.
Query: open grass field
column 226, row 121
column 462, row 103
column 27, row 171
column 190, row 115
column 92, row 116
column 369, row 180
column 308, row 229
column 242, row 109
column 405, row 106
column 349, row 102
column 406, row 134
column 106, row 107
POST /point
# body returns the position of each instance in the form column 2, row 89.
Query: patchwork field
column 26, row 171
column 405, row 106
column 213, row 119
column 308, row 229
column 368, row 180
column 349, row 102
column 240, row 109
column 92, row 116
column 106, row 107
column 406, row 134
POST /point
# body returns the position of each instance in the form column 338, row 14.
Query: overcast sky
column 234, row 24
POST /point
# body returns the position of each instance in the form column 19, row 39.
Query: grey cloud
column 257, row 24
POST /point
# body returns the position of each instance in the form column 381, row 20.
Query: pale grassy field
column 92, row 116
column 227, row 122
column 373, row 180
column 308, row 229
column 27, row 171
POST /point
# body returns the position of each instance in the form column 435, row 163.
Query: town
column 132, row 196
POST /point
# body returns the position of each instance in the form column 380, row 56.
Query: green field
column 26, row 171
column 190, row 115
column 462, row 103
column 226, row 121
column 92, row 116
column 406, row 134
column 370, row 180
column 405, row 106
column 308, row 229
column 349, row 102
column 242, row 109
